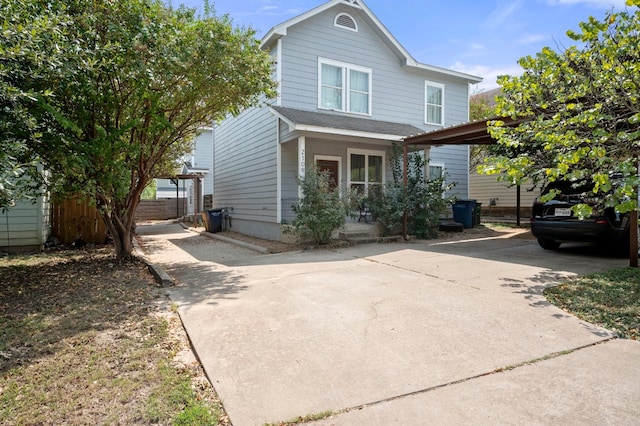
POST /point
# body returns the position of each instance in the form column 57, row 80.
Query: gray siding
column 203, row 158
column 25, row 225
column 245, row 173
column 398, row 92
column 245, row 147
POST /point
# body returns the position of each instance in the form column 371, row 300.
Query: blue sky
column 479, row 37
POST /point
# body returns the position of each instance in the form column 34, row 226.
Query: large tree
column 136, row 81
column 30, row 49
column 584, row 110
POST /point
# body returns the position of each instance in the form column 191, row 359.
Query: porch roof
column 320, row 122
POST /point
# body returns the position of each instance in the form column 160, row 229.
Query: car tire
column 548, row 244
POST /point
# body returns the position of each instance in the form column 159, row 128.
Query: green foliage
column 422, row 199
column 150, row 191
column 29, row 50
column 321, row 210
column 112, row 92
column 480, row 108
column 584, row 106
column 610, row 299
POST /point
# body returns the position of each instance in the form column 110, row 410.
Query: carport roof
column 320, row 122
column 474, row 133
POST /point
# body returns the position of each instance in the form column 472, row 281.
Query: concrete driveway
column 438, row 332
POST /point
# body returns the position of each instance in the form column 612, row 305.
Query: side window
column 434, row 103
column 436, row 171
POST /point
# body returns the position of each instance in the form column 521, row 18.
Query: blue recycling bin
column 464, row 212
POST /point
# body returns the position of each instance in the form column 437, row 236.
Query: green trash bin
column 477, row 214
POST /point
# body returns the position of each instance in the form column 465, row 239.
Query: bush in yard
column 321, row 210
column 422, row 199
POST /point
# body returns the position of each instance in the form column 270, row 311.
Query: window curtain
column 434, row 105
column 331, row 87
column 359, row 91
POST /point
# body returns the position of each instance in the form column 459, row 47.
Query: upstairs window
column 434, row 103
column 346, row 22
column 344, row 87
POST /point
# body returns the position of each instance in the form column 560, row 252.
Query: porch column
column 301, row 162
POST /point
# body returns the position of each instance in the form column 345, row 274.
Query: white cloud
column 489, row 74
column 602, row 4
column 502, row 13
column 532, row 38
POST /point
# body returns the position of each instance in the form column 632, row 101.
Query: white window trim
column 335, row 22
column 366, row 152
column 346, row 107
column 317, row 157
column 444, row 172
column 435, row 164
column 440, row 86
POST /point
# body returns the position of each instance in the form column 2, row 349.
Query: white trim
column 302, row 159
column 317, row 157
column 346, row 85
column 377, row 26
column 279, row 71
column 278, row 173
column 440, row 86
column 367, row 153
column 444, row 171
column 293, row 126
column 343, row 27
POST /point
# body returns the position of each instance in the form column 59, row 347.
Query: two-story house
column 347, row 91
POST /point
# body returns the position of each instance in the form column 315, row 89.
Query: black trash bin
column 477, row 216
column 214, row 216
column 464, row 212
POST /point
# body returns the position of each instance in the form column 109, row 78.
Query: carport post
column 633, row 239
column 405, row 162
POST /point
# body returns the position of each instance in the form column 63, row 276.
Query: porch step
column 355, row 238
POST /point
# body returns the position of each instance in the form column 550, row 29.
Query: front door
column 333, row 167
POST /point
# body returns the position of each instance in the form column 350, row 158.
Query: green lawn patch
column 610, row 299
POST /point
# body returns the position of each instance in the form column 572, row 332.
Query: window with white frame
column 434, row 103
column 344, row 87
column 366, row 169
column 436, row 171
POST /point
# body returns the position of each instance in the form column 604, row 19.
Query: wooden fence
column 76, row 219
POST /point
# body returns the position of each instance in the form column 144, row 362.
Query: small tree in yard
column 422, row 199
column 321, row 210
column 125, row 87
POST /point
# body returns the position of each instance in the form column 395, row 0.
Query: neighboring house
column 198, row 163
column 25, row 226
column 498, row 198
column 347, row 91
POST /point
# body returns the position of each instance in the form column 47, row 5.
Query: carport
column 476, row 133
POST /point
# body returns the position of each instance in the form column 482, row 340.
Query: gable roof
column 318, row 122
column 407, row 60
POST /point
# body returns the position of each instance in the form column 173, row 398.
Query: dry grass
column 87, row 339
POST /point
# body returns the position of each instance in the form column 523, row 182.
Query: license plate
column 562, row 212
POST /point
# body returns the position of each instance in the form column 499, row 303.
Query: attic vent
column 345, row 21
